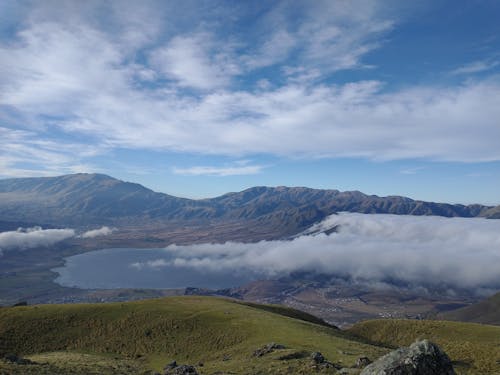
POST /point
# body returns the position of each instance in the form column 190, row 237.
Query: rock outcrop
column 268, row 348
column 420, row 358
column 174, row 369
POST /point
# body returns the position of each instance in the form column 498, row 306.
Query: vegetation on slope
column 475, row 348
column 486, row 311
column 220, row 333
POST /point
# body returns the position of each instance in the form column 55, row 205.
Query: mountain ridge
column 97, row 198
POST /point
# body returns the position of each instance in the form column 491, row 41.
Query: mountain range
column 91, row 199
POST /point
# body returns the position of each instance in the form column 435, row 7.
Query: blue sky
column 198, row 98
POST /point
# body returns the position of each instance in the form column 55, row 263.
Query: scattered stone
column 268, row 348
column 362, row 362
column 421, row 357
column 319, row 362
column 317, row 357
column 18, row 360
column 181, row 370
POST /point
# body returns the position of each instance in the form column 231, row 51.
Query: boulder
column 362, row 362
column 317, row 357
column 180, row 370
column 420, row 358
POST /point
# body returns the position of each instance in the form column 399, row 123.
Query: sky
column 199, row 98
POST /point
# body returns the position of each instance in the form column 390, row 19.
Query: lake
column 140, row 268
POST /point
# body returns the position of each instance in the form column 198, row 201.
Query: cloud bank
column 28, row 238
column 23, row 239
column 103, row 231
column 430, row 252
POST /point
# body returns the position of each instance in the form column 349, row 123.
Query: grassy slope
column 188, row 329
column 475, row 347
column 487, row 312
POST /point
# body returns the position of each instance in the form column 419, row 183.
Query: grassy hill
column 486, row 311
column 222, row 334
column 135, row 337
column 475, row 348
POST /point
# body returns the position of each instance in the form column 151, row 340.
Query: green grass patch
column 220, row 333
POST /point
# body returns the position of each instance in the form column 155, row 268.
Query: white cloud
column 64, row 73
column 27, row 238
column 103, row 231
column 235, row 170
column 190, row 60
column 475, row 67
column 151, row 264
column 429, row 252
column 23, row 239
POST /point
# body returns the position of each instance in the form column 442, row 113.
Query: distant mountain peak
column 92, row 198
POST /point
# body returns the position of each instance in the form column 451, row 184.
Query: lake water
column 139, row 268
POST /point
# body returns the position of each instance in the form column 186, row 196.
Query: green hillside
column 475, row 348
column 134, row 337
column 487, row 312
column 218, row 336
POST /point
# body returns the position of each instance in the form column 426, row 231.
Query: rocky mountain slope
column 84, row 199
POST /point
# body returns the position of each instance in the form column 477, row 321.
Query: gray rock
column 317, row 357
column 362, row 362
column 268, row 348
column 420, row 358
column 180, row 370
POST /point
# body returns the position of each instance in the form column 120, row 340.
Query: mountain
column 90, row 199
column 486, row 311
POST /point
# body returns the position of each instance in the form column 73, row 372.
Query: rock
column 268, row 348
column 317, row 357
column 318, row 362
column 180, row 370
column 362, row 362
column 420, row 358
column 172, row 364
column 18, row 360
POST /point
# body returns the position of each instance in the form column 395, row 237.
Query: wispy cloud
column 428, row 252
column 103, row 231
column 475, row 67
column 133, row 80
column 234, row 170
column 414, row 170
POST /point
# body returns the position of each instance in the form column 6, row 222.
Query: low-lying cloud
column 103, row 231
column 28, row 238
column 432, row 252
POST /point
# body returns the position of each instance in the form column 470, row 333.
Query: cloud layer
column 23, row 239
column 427, row 252
column 143, row 77
column 28, row 238
column 103, row 231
